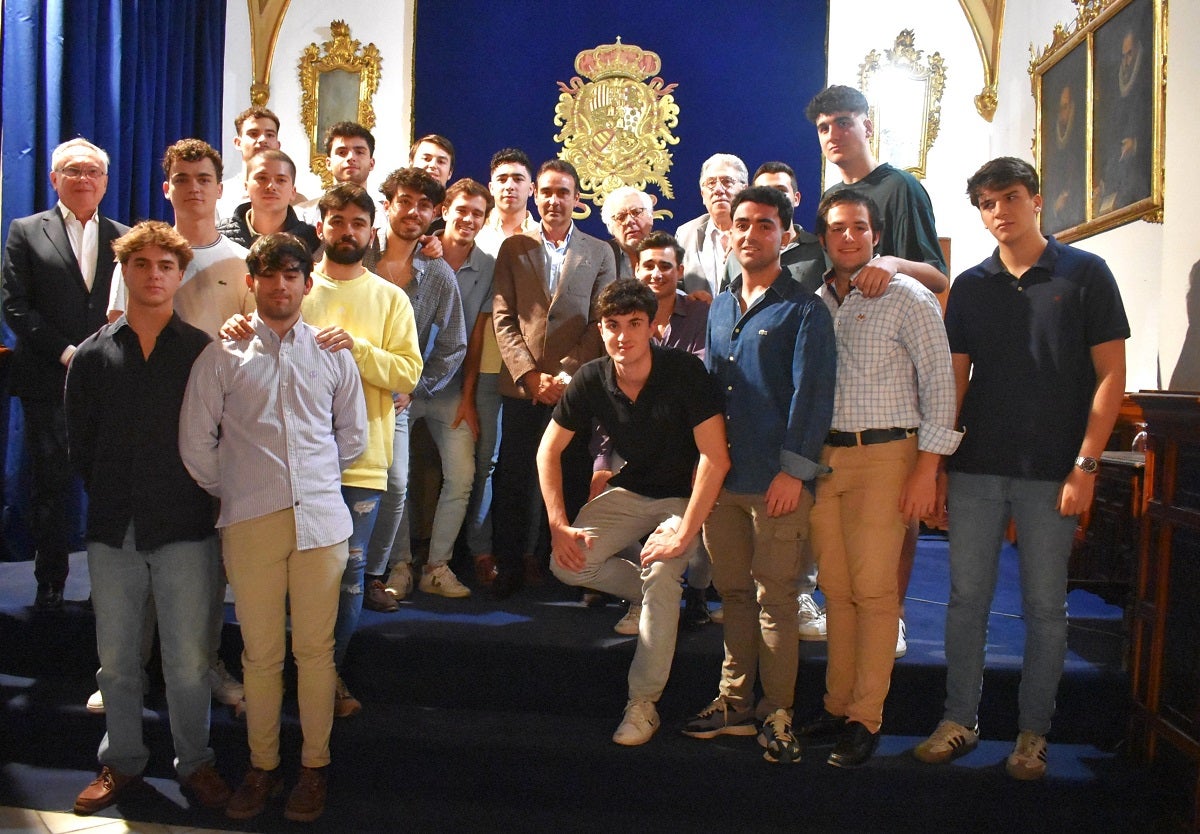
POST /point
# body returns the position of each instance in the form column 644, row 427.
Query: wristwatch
column 1088, row 465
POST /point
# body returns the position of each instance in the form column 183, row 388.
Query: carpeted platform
column 484, row 716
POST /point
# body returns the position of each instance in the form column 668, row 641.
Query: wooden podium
column 1164, row 727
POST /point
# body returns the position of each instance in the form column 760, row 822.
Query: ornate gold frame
column 909, row 141
column 317, row 62
column 1108, row 24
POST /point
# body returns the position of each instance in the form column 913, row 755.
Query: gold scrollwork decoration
column 616, row 126
column 897, row 84
column 338, row 80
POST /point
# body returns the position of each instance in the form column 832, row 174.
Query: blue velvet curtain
column 133, row 76
column 744, row 74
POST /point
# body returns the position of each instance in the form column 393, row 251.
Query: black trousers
column 46, row 444
column 516, row 495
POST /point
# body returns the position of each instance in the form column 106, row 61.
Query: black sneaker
column 776, row 736
column 718, row 719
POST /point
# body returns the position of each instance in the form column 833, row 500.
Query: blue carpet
column 482, row 716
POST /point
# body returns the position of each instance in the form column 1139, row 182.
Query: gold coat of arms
column 617, row 126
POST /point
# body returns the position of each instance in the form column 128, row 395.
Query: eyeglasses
column 634, row 213
column 727, row 183
column 73, row 173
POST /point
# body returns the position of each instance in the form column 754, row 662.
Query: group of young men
column 774, row 408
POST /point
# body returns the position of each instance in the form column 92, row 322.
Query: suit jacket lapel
column 574, row 259
column 535, row 258
column 56, row 230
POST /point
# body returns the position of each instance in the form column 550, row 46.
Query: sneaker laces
column 781, row 725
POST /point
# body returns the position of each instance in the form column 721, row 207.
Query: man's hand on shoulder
column 334, row 338
column 237, row 328
column 431, row 246
column 873, row 279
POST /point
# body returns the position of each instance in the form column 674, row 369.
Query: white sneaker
column 399, row 581
column 441, row 580
column 95, row 703
column 901, row 643
column 639, row 724
column 1028, row 759
column 225, row 687
column 629, row 624
column 812, row 619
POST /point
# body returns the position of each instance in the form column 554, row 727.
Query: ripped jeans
column 364, row 506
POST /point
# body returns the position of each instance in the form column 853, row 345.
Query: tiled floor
column 24, row 821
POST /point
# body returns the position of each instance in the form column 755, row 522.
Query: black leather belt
column 867, row 438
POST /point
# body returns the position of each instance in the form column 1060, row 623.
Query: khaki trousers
column 265, row 571
column 857, row 532
column 756, row 561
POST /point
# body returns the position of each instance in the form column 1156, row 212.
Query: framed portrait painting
column 1101, row 97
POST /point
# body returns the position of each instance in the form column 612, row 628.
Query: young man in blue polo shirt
column 1037, row 339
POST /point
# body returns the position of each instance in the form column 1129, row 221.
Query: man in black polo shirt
column 149, row 526
column 643, row 397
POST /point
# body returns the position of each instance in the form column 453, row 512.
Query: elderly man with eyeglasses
column 706, row 239
column 629, row 216
column 58, row 266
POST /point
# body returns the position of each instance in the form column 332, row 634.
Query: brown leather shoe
column 485, row 569
column 306, row 802
column 250, row 799
column 344, row 704
column 207, row 787
column 104, row 790
column 376, row 598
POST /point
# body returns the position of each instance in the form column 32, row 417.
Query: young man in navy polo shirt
column 1037, row 338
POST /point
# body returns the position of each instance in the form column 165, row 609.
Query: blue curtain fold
column 132, row 76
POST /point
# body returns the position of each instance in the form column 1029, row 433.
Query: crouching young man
column 646, row 399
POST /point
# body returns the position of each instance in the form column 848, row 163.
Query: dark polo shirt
column 653, row 434
column 1030, row 341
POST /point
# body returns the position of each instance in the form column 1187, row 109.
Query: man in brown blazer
column 543, row 311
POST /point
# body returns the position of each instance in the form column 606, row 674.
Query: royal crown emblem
column 617, row 125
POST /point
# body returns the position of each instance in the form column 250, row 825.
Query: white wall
column 1151, row 261
column 389, row 25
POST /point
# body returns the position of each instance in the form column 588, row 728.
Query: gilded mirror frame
column 324, row 69
column 897, row 137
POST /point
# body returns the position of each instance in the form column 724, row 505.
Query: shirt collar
column 1046, row 262
column 67, row 214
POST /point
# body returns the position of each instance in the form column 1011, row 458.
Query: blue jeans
column 980, row 506
column 391, row 504
column 364, row 505
column 181, row 576
column 479, row 518
column 456, row 449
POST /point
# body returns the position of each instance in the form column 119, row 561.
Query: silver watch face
column 1088, row 465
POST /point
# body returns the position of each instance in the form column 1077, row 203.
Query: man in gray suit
column 58, row 266
column 705, row 239
column 544, row 314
